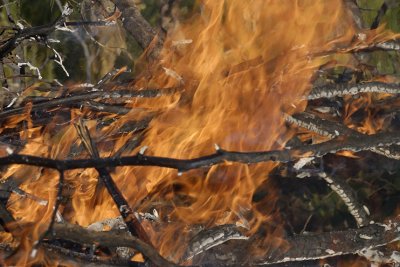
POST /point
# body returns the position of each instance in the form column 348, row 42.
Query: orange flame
column 242, row 64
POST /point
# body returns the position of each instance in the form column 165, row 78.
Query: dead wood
column 334, row 90
column 334, row 129
column 112, row 239
column 305, row 247
column 45, row 103
column 139, row 28
column 69, row 257
column 315, row 150
column 346, row 193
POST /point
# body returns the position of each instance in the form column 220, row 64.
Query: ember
column 230, row 134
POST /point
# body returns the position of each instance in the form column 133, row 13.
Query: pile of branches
column 224, row 245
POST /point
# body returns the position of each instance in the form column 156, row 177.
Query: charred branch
column 389, row 45
column 133, row 224
column 315, row 150
column 73, row 99
column 330, row 91
column 383, row 255
column 112, row 239
column 349, row 198
column 305, row 247
column 102, row 107
column 333, row 129
column 317, row 125
column 69, row 257
column 209, row 238
column 324, row 245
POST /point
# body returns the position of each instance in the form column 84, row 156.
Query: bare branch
column 139, row 28
column 318, row 150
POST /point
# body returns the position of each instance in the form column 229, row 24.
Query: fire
column 246, row 64
column 239, row 65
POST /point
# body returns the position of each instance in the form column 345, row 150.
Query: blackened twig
column 333, row 129
column 379, row 16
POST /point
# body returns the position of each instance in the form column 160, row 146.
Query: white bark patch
column 302, row 162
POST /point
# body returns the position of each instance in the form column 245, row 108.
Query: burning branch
column 111, row 239
column 134, row 226
column 346, row 193
column 318, row 150
column 353, row 241
column 333, row 129
column 330, row 91
column 310, row 246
